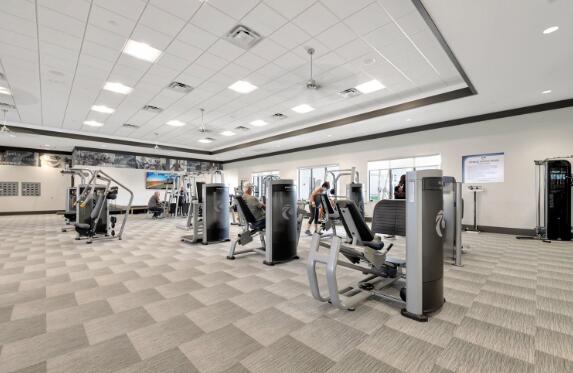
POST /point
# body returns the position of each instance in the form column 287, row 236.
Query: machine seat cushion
column 82, row 226
column 70, row 215
column 376, row 245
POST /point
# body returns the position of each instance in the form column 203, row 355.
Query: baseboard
column 45, row 212
column 502, row 230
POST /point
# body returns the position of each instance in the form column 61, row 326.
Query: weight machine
column 553, row 182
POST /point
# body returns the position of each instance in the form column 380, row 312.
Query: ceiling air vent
column 350, row 92
column 129, row 125
column 279, row 116
column 241, row 128
column 180, row 87
column 243, row 37
column 153, row 109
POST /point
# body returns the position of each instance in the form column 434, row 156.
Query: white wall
column 508, row 204
column 53, row 188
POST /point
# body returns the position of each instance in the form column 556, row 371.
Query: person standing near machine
column 314, row 205
column 154, row 205
column 183, row 201
column 400, row 189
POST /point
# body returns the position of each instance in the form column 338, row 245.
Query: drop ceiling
column 56, row 56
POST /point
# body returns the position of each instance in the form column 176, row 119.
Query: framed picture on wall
column 483, row 168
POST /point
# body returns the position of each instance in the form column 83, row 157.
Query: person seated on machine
column 154, row 205
column 400, row 189
column 255, row 206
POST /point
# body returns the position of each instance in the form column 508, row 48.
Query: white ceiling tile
column 15, row 52
column 235, row 9
column 173, row 62
column 10, row 23
column 264, row 20
column 290, row 8
column 211, row 61
column 161, row 21
column 224, row 49
column 354, row 49
column 213, row 20
column 183, row 50
column 289, row 61
column 251, row 61
column 197, row 37
column 111, row 21
column 19, row 40
column 183, row 9
column 315, row 19
column 368, row 19
column 398, row 8
column 156, row 39
column 412, row 23
column 336, row 36
column 268, row 49
column 99, row 51
column 78, row 9
column 290, row 36
column 385, row 35
column 344, row 8
column 105, row 38
column 237, row 72
column 49, row 37
column 61, row 22
column 128, row 8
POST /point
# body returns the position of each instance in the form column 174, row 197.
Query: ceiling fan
column 311, row 83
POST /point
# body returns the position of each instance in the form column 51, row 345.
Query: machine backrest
column 244, row 209
column 199, row 185
column 98, row 206
column 389, row 217
column 362, row 229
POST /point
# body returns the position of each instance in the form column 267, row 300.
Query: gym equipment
column 453, row 214
column 94, row 221
column 553, row 182
column 422, row 289
column 192, row 194
column 353, row 189
column 278, row 232
column 209, row 214
column 72, row 193
column 475, row 189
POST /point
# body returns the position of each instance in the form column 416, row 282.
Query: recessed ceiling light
column 102, row 109
column 141, row 51
column 227, row 133
column 408, row 119
column 370, row 86
column 93, row 123
column 258, row 123
column 546, row 92
column 47, row 145
column 242, row 86
column 304, row 108
column 5, row 91
column 117, row 88
column 550, row 30
column 176, row 123
column 328, row 135
column 206, row 140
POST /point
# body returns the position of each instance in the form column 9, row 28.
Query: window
column 384, row 176
column 310, row 177
column 259, row 187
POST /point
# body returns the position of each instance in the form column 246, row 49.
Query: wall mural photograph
column 18, row 158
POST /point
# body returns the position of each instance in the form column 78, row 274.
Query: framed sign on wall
column 483, row 168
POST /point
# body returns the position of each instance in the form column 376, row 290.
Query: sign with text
column 483, row 168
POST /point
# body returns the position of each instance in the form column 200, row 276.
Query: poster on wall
column 483, row 168
column 151, row 163
column 18, row 158
column 55, row 160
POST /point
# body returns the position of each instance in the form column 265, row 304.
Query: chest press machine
column 419, row 277
column 278, row 231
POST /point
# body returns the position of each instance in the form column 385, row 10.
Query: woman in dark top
column 400, row 189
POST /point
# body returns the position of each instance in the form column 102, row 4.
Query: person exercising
column 255, row 206
column 154, row 205
column 314, row 205
column 400, row 189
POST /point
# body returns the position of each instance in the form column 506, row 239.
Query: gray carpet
column 150, row 303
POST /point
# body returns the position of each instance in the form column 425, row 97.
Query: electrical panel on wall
column 8, row 189
column 31, row 189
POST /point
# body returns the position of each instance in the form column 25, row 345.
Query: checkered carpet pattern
column 151, row 303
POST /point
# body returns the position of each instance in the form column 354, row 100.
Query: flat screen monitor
column 159, row 180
